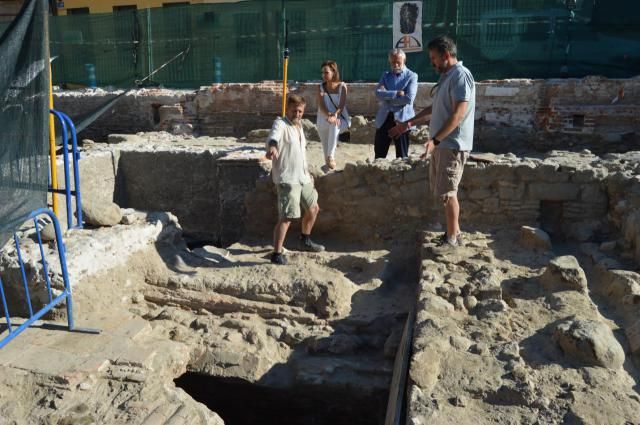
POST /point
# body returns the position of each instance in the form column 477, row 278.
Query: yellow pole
column 52, row 149
column 284, row 85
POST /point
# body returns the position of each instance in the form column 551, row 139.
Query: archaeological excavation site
column 533, row 319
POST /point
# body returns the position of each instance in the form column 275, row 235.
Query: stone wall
column 203, row 188
column 184, row 183
column 511, row 115
column 136, row 111
column 379, row 200
column 222, row 194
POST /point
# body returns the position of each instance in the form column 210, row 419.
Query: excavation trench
column 314, row 342
column 195, row 300
column 241, row 403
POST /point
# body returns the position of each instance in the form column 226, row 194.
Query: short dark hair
column 295, row 100
column 443, row 44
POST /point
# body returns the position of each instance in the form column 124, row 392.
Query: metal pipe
column 285, row 66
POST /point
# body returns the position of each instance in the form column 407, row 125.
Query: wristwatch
column 436, row 142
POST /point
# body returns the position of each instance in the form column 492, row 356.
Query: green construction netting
column 24, row 116
column 243, row 42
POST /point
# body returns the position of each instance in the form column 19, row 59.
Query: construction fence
column 243, row 42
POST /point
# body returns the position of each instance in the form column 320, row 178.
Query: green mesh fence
column 24, row 116
column 243, row 42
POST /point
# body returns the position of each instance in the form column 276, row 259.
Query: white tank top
column 328, row 97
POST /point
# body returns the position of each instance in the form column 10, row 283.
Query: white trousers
column 328, row 136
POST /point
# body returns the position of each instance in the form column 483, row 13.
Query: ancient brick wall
column 511, row 115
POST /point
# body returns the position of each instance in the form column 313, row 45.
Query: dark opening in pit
column 241, row 403
column 193, row 243
column 551, row 219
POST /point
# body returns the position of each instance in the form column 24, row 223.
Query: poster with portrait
column 407, row 26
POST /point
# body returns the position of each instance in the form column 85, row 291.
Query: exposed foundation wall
column 184, row 183
column 135, row 112
column 380, row 200
column 222, row 195
column 510, row 115
column 204, row 190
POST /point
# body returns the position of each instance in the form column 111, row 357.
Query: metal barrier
column 64, row 296
column 69, row 132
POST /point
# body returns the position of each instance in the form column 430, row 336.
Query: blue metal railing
column 64, row 296
column 69, row 132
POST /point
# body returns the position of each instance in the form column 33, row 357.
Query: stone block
column 527, row 171
column 491, row 205
column 363, row 135
column 483, row 177
column 552, row 173
column 101, row 213
column 594, row 193
column 331, row 181
column 582, row 230
column 121, row 138
column 417, row 173
column 618, row 283
column 633, row 336
column 485, row 284
column 589, row 175
column 486, row 308
column 358, row 121
column 415, row 188
column 351, row 176
column 564, row 273
column 576, row 210
column 589, row 343
column 310, row 130
column 394, row 179
column 534, row 238
column 98, row 180
column 631, row 227
column 510, row 191
column 554, row 191
column 480, row 194
column 170, row 113
column 425, row 368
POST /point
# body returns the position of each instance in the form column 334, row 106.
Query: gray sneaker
column 278, row 258
column 306, row 244
column 444, row 240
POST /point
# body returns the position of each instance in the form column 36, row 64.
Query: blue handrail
column 76, row 168
column 66, row 293
column 69, row 132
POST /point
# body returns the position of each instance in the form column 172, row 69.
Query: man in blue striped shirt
column 396, row 92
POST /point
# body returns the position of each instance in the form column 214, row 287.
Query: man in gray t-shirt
column 451, row 117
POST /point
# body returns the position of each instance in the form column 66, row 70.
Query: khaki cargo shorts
column 292, row 196
column 445, row 171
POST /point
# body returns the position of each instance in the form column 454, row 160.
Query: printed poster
column 407, row 26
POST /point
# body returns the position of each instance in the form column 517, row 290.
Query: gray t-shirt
column 456, row 85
